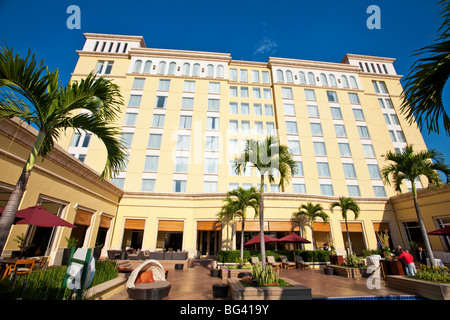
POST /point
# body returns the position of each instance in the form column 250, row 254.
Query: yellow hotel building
column 186, row 116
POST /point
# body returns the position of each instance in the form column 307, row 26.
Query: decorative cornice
column 115, row 37
column 102, row 55
column 180, row 54
column 349, row 56
column 252, row 64
column 380, row 75
column 307, row 64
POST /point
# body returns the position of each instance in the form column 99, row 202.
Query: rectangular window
column 183, row 142
column 313, row 111
column 389, row 104
column 291, row 127
column 354, row 99
column 233, row 108
column 379, row 191
column 87, row 139
column 363, row 132
column 374, row 171
column 179, row 186
column 244, row 92
column 349, row 170
column 75, row 139
column 243, row 75
column 135, row 100
column 212, row 143
column 380, row 87
column 319, row 148
column 151, row 163
column 268, row 110
column 257, row 109
column 233, row 74
column 181, row 164
column 353, row 191
column 233, row 186
column 187, row 103
column 245, row 108
column 359, row 115
column 245, row 126
column 213, row 105
column 130, row 119
column 286, row 93
column 270, row 128
column 259, row 127
column 256, row 93
column 393, row 137
column 401, row 136
column 326, row 189
column 163, row 85
column 211, row 166
column 214, row 87
column 154, row 141
column 395, row 119
column 332, row 96
column 185, row 122
column 387, row 119
column 158, row 120
column 255, row 76
column 265, row 76
column 148, row 185
column 298, row 188
column 323, row 169
column 294, row 147
column 233, row 146
column 138, row 83
column 316, row 129
column 209, row 186
column 336, row 112
column 299, row 172
column 212, row 123
column 381, row 102
column 310, row 94
column 161, row 101
column 267, row 93
column 231, row 172
column 120, row 182
column 127, row 139
column 289, row 109
column 189, row 86
column 344, row 150
column 340, row 130
column 233, row 126
column 233, row 92
column 368, row 151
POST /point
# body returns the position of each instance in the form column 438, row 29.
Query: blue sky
column 248, row 30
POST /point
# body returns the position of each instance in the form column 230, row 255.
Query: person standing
column 409, row 263
column 421, row 255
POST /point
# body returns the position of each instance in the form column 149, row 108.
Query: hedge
column 307, row 255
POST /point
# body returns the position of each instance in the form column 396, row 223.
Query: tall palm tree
column 409, row 166
column 422, row 95
column 30, row 92
column 269, row 157
column 311, row 212
column 236, row 204
column 347, row 204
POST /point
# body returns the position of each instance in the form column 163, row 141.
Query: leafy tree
column 311, row 212
column 29, row 92
column 347, row 204
column 409, row 165
column 269, row 157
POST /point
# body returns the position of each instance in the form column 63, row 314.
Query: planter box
column 352, row 273
column 426, row 289
column 233, row 273
column 296, row 292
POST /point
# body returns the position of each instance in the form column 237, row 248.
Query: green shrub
column 433, row 274
column 307, row 255
column 264, row 276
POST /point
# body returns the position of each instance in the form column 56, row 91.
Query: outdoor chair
column 286, row 263
column 271, row 261
column 148, row 282
column 255, row 261
column 299, row 262
column 41, row 263
column 22, row 266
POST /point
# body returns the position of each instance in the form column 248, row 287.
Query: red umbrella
column 257, row 239
column 441, row 232
column 293, row 237
column 39, row 216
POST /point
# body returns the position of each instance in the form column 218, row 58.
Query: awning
column 83, row 217
column 209, row 225
column 171, row 225
column 134, row 224
column 352, row 227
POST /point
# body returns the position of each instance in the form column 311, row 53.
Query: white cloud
column 266, row 46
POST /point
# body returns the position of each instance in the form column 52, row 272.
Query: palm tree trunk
column 242, row 240
column 312, row 234
column 422, row 226
column 261, row 224
column 350, row 251
column 9, row 213
column 233, row 234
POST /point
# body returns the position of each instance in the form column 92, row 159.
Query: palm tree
column 34, row 95
column 422, row 95
column 236, row 204
column 311, row 212
column 409, row 165
column 269, row 157
column 347, row 204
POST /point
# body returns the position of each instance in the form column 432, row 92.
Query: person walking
column 421, row 255
column 409, row 263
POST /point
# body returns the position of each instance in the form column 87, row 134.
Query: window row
column 286, row 93
column 380, row 68
column 243, row 92
column 110, row 47
column 185, row 69
column 257, row 109
column 310, row 78
column 244, row 75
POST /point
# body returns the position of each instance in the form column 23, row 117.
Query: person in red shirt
column 409, row 263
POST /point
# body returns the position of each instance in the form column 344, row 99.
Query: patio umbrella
column 441, row 232
column 39, row 216
column 257, row 239
column 294, row 238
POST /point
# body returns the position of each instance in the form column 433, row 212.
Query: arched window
column 172, row 68
column 333, row 82
column 344, row 81
column 186, row 69
column 301, row 77
column 353, row 82
column 210, row 70
column 289, row 77
column 162, row 67
column 137, row 66
column 220, row 71
column 196, row 70
column 147, row 66
column 280, row 76
column 311, row 79
column 323, row 79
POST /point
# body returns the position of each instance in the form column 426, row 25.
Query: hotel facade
column 187, row 114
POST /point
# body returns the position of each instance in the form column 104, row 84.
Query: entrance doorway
column 209, row 235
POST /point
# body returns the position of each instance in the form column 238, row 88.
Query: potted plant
column 97, row 251
column 20, row 239
column 71, row 242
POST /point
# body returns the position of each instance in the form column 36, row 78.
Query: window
column 310, row 94
column 349, row 170
column 289, row 109
column 233, row 126
column 209, row 186
column 316, row 129
column 289, row 77
column 363, row 132
column 255, row 76
column 75, row 139
column 333, row 82
column 245, row 126
column 154, row 141
column 301, row 77
column 395, row 119
column 359, row 115
column 233, row 108
column 374, row 171
column 135, row 100
column 162, row 67
column 311, row 79
column 379, row 191
column 196, row 70
column 259, row 127
column 138, row 83
column 270, row 128
column 212, row 143
column 179, row 186
column 233, row 74
column 189, row 86
column 353, row 191
column 213, row 105
column 336, row 112
column 353, row 82
column 319, row 148
column 183, row 142
column 211, row 166
column 233, row 92
column 187, row 103
column 245, row 108
column 332, row 96
column 313, row 111
column 340, row 130
column 291, row 127
column 274, row 188
column 233, row 186
column 147, row 66
column 326, row 189
column 212, row 123
column 186, row 69
column 233, row 146
column 389, row 104
column 380, row 87
column 148, row 185
column 243, row 73
column 382, row 104
column 257, row 109
column 172, row 68
column 161, row 101
column 130, row 119
column 294, row 147
column 220, row 71
column 127, row 139
column 298, row 188
column 268, row 110
column 344, row 149
column 158, row 120
column 265, row 76
column 120, row 182
column 401, row 136
column 323, row 79
column 181, row 164
column 323, row 169
column 280, row 76
column 267, row 93
column 299, row 169
column 164, row 85
column 256, row 93
column 368, row 151
column 354, row 98
column 393, row 137
column 185, row 122
column 214, row 87
column 344, row 81
column 244, row 92
column 286, row 93
column 137, row 66
column 151, row 163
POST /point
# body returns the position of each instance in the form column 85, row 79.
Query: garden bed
column 426, row 289
column 351, row 273
column 232, row 273
column 295, row 291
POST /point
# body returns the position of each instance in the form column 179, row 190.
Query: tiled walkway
column 196, row 284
